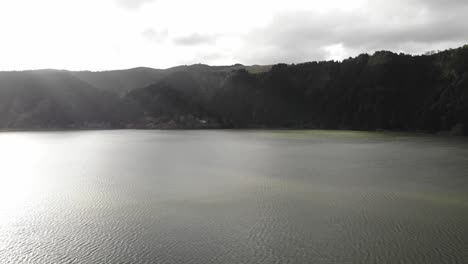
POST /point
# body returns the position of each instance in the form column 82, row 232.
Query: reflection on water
column 232, row 197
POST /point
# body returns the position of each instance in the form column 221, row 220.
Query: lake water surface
column 232, row 197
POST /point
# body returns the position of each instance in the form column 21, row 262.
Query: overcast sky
column 117, row 34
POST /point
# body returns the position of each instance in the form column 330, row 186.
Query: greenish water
column 232, row 197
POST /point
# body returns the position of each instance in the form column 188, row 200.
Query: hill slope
column 53, row 99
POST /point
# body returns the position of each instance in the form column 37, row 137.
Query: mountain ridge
column 384, row 90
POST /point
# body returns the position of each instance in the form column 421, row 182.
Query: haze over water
column 232, row 197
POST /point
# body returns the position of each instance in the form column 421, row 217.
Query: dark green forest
column 383, row 91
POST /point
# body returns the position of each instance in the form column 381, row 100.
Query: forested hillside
column 381, row 91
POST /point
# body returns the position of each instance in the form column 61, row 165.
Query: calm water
column 232, row 197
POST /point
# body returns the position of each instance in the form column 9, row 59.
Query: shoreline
column 442, row 134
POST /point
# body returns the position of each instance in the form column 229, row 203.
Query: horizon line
column 427, row 53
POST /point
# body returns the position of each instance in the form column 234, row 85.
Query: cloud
column 133, row 4
column 163, row 33
column 156, row 36
column 195, row 39
column 401, row 26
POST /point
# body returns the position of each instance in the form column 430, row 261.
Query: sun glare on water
column 20, row 173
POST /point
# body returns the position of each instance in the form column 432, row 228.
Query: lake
column 130, row 196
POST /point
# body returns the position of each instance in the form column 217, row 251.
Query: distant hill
column 230, row 68
column 385, row 91
column 53, row 99
column 120, row 81
column 123, row 81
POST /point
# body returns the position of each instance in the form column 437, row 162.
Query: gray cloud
column 195, row 39
column 133, row 4
column 441, row 3
column 156, row 36
column 410, row 26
